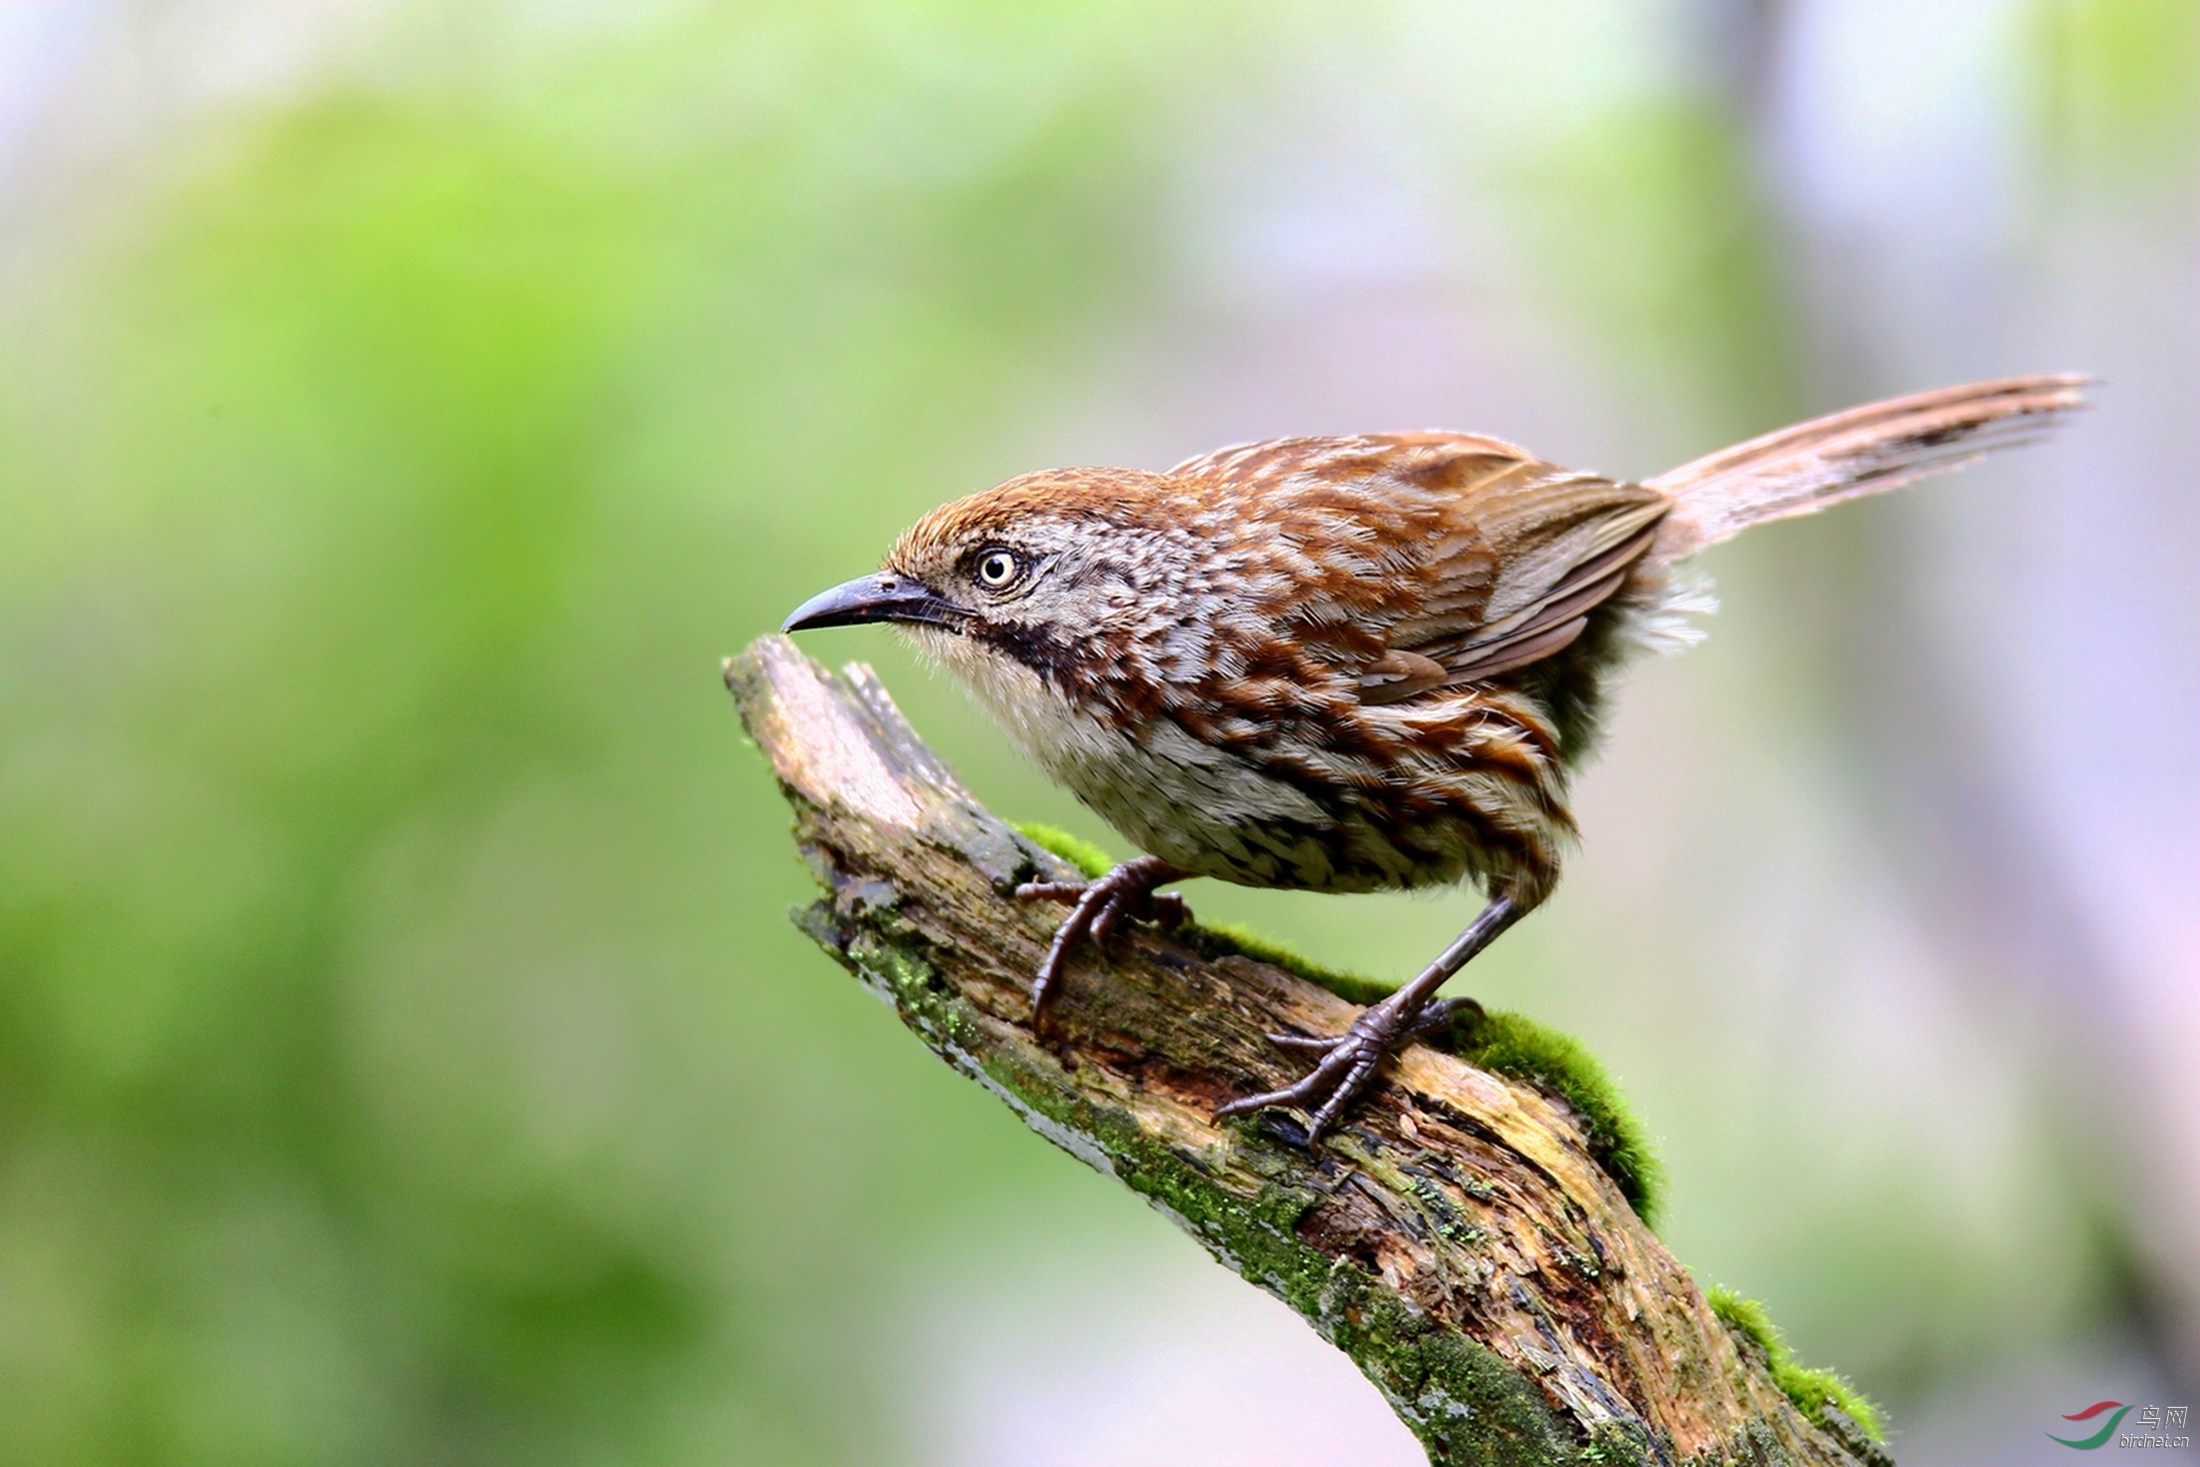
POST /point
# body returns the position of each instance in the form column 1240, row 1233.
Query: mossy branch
column 1470, row 1236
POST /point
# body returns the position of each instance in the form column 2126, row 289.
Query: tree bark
column 1455, row 1237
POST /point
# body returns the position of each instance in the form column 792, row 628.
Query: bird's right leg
column 1349, row 1061
column 1095, row 907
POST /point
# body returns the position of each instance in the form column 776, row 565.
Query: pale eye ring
column 999, row 569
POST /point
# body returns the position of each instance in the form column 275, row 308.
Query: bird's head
column 1055, row 573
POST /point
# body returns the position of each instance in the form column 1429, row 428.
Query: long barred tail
column 1806, row 467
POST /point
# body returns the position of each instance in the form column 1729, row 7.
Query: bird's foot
column 1096, row 908
column 1349, row 1060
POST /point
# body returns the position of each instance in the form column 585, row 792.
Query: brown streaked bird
column 1354, row 664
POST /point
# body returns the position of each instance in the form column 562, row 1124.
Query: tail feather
column 1806, row 467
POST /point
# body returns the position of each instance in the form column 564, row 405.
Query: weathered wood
column 1454, row 1237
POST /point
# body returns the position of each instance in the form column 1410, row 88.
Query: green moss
column 1812, row 1391
column 1517, row 1046
column 1614, row 1445
column 1503, row 1043
column 1224, row 940
column 1082, row 854
column 1465, row 1403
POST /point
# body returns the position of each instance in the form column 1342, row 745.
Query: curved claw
column 1321, row 1083
column 1354, row 1081
column 1103, row 926
column 1348, row 1064
column 1096, row 909
column 1438, row 1015
column 1305, row 1041
column 1050, row 967
column 1167, row 910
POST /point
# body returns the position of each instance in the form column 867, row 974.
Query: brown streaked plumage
column 1353, row 664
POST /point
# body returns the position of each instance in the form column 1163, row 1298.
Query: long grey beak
column 880, row 597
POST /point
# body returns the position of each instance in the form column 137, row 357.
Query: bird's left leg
column 1349, row 1061
column 1096, row 907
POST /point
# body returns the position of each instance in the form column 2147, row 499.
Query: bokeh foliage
column 403, row 1053
column 398, row 1057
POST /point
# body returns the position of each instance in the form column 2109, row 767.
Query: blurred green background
column 403, row 1053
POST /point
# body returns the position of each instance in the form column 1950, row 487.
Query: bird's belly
column 1210, row 810
column 1214, row 812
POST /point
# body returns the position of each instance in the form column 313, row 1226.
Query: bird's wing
column 1562, row 542
column 1465, row 555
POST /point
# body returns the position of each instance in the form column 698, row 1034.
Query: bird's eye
column 998, row 569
